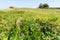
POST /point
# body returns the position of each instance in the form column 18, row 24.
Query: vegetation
column 43, row 6
column 30, row 24
column 11, row 7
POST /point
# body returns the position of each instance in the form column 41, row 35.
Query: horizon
column 27, row 3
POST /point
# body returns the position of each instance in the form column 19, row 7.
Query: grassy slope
column 8, row 17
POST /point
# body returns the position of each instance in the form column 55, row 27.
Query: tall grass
column 35, row 29
column 30, row 24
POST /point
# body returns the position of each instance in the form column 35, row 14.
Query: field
column 30, row 24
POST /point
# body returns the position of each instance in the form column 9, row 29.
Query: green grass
column 30, row 24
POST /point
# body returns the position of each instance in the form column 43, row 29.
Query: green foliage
column 11, row 7
column 29, row 25
column 43, row 6
column 35, row 30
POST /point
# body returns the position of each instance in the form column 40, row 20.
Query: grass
column 30, row 24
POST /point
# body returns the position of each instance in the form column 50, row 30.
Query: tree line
column 41, row 6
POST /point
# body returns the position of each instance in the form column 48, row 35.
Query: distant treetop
column 11, row 7
column 43, row 5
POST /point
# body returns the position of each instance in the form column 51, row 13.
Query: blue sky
column 28, row 3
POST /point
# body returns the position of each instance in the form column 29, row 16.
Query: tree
column 43, row 5
column 11, row 7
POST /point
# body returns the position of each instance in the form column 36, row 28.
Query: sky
column 28, row 3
